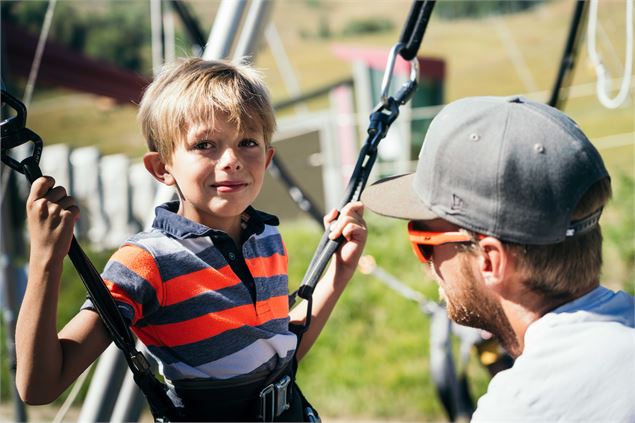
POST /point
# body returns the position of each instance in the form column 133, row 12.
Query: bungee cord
column 39, row 51
column 603, row 77
column 384, row 114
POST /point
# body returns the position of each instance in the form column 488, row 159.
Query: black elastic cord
column 567, row 63
column 191, row 25
column 415, row 27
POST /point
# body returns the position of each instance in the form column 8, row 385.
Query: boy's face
column 219, row 171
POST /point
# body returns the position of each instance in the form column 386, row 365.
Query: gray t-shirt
column 578, row 365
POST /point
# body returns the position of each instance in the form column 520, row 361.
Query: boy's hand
column 352, row 226
column 51, row 216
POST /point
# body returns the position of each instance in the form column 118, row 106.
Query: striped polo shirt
column 203, row 307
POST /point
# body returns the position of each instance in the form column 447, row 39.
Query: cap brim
column 395, row 197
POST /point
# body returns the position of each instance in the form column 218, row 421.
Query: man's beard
column 473, row 305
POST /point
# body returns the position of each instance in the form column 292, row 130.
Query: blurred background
column 80, row 68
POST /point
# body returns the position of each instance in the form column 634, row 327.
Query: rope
column 602, row 87
column 79, row 383
column 39, row 51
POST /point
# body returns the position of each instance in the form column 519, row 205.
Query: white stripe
column 161, row 245
column 239, row 363
column 196, row 245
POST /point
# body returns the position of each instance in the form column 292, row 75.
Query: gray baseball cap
column 501, row 166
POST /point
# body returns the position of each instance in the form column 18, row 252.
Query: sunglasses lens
column 426, row 251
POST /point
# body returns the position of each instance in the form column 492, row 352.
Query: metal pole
column 104, row 387
column 156, row 25
column 224, row 30
column 11, row 295
column 255, row 22
column 131, row 401
column 284, row 65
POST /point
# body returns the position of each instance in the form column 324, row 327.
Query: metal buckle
column 265, row 394
column 282, row 400
column 274, row 399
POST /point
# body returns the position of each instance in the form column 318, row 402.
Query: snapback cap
column 506, row 167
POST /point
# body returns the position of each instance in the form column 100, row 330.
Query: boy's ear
column 158, row 168
column 270, row 152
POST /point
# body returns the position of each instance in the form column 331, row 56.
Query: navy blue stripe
column 214, row 301
column 127, row 312
column 263, row 247
column 219, row 346
column 273, row 286
column 183, row 262
column 136, row 288
column 207, row 302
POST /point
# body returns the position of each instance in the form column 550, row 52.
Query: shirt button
column 231, row 256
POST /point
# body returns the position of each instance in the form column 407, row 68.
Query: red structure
column 61, row 66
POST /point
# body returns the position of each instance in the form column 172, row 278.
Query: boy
column 206, row 289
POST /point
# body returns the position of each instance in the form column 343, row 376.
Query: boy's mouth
column 229, row 186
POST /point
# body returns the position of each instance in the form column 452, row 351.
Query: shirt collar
column 166, row 220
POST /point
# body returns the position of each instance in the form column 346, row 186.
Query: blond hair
column 193, row 90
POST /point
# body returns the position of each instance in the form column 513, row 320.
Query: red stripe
column 120, row 295
column 184, row 287
column 267, row 266
column 142, row 263
column 212, row 324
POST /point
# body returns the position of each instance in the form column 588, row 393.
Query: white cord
column 61, row 413
column 39, row 51
column 602, row 87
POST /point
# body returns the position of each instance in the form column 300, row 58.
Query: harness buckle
column 282, row 397
column 274, row 399
column 267, row 403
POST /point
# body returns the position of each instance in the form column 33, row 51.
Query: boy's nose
column 229, row 159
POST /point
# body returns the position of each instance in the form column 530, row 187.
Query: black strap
column 13, row 134
column 381, row 118
column 415, row 27
column 567, row 63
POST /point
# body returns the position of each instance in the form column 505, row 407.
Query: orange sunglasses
column 423, row 241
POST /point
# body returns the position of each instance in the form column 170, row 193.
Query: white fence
column 115, row 195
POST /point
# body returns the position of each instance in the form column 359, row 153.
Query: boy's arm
column 352, row 226
column 47, row 363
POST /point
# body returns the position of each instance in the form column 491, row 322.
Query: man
column 504, row 207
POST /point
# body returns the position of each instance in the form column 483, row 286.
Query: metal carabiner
column 390, row 67
column 13, row 133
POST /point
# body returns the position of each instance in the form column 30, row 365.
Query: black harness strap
column 14, row 134
column 381, row 118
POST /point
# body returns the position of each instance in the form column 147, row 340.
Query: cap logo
column 457, row 202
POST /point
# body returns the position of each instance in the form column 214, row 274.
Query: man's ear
column 269, row 156
column 493, row 262
column 158, row 168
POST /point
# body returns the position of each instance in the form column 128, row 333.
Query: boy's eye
column 249, row 143
column 203, row 145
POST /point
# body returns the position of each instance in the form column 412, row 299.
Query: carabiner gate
column 388, row 73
